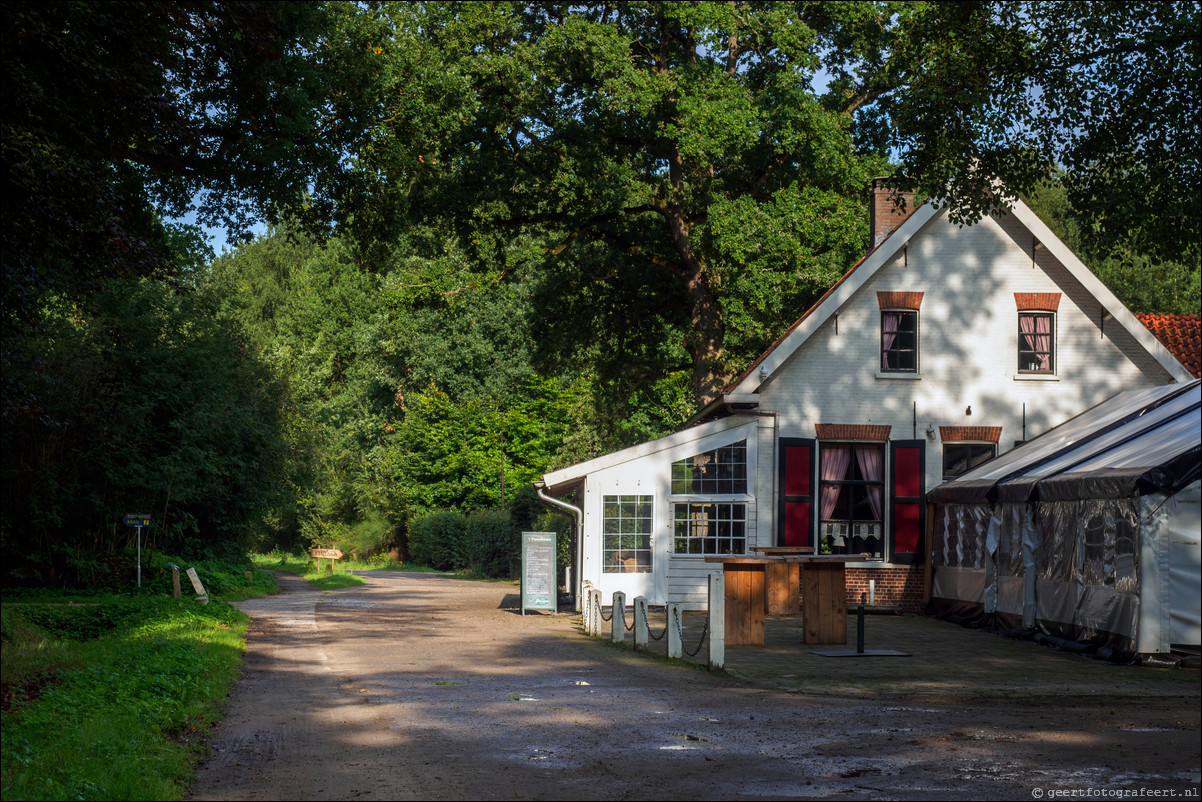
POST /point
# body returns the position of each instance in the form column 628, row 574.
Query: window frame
column 973, row 463
column 825, row 546
column 1034, row 350
column 612, row 561
column 683, row 528
column 885, row 352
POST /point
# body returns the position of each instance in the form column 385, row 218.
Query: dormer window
column 899, row 341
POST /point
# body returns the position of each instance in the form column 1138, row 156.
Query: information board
column 538, row 572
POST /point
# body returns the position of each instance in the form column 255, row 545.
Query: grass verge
column 111, row 696
column 326, row 579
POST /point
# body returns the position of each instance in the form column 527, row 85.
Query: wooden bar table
column 824, row 596
column 782, row 592
column 746, row 595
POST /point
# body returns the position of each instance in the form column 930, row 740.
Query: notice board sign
column 538, row 572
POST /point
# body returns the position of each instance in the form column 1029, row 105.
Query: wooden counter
column 769, row 584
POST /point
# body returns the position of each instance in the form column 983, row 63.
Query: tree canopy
column 682, row 176
column 505, row 236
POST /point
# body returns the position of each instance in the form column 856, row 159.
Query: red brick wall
column 983, row 434
column 883, row 214
column 1047, row 301
column 864, row 432
column 895, row 587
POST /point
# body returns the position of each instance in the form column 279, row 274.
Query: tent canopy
column 1136, row 442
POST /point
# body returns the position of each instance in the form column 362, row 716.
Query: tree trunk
column 708, row 330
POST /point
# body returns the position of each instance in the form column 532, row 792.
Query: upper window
column 960, row 458
column 1036, row 342
column 899, row 341
column 627, row 545
column 722, row 471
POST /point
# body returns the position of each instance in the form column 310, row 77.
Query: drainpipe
column 540, row 487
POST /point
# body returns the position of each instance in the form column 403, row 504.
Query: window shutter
column 907, row 511
column 795, row 525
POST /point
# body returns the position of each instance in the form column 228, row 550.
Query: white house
column 943, row 347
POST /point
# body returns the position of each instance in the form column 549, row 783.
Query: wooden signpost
column 325, row 554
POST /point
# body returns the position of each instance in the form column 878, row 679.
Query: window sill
column 898, row 375
column 716, row 498
column 1036, row 377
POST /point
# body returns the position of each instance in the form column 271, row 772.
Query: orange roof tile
column 1181, row 334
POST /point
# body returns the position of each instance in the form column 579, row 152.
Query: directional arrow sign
column 326, row 554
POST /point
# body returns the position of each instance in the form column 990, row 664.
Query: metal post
column 139, row 556
column 717, row 620
column 860, row 629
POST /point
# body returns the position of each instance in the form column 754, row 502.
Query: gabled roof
column 1181, row 334
column 746, row 386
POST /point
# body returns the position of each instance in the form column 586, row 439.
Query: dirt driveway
column 424, row 687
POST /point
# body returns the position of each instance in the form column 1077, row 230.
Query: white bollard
column 596, row 614
column 586, row 612
column 640, row 623
column 674, row 627
column 717, row 620
column 617, row 618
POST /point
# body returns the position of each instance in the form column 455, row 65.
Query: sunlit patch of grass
column 122, row 715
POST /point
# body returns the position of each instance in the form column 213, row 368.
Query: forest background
column 503, row 237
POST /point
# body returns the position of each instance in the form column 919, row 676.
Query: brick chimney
column 884, row 214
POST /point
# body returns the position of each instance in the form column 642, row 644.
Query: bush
column 493, row 539
column 439, row 540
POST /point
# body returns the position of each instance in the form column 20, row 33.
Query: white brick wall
column 968, row 334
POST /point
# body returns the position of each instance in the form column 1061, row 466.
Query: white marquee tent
column 1089, row 532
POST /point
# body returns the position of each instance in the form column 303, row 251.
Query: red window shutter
column 907, row 510
column 796, row 482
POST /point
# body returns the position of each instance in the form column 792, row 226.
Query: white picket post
column 617, row 618
column 640, row 623
column 717, row 620
column 586, row 614
column 596, row 605
column 674, row 627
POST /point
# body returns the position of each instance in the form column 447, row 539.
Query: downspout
column 540, row 487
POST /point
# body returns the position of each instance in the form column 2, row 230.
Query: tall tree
column 118, row 115
column 689, row 174
column 667, row 166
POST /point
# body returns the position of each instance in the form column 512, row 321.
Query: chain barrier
column 680, row 631
column 602, row 614
column 651, row 634
column 631, row 627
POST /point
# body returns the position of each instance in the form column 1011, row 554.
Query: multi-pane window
column 627, row 522
column 709, row 528
column 960, row 458
column 722, row 471
column 1036, row 342
column 851, row 498
column 899, row 341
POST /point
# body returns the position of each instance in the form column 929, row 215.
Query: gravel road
column 417, row 686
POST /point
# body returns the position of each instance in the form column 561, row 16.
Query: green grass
column 111, row 696
column 324, row 579
column 119, row 715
